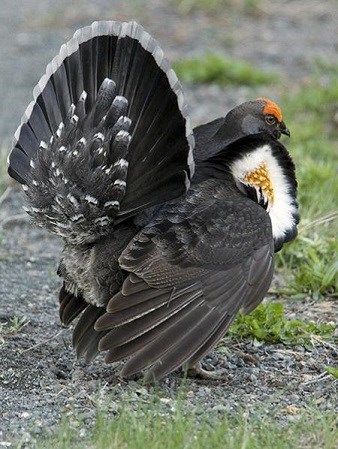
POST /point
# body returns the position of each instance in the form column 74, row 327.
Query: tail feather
column 106, row 136
column 49, row 104
column 70, row 54
column 38, row 125
column 70, row 306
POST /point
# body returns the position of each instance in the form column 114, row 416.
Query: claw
column 198, row 372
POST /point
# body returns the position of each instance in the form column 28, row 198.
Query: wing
column 188, row 279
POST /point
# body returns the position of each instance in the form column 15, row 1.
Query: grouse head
column 253, row 117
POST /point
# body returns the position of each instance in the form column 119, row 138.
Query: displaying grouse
column 165, row 240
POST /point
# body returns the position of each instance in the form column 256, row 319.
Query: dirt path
column 40, row 381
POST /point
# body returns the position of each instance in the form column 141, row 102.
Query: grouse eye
column 270, row 119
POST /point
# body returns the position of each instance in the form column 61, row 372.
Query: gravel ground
column 40, row 380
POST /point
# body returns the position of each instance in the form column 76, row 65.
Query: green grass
column 157, row 429
column 311, row 263
column 216, row 68
column 268, row 323
column 311, row 259
column 215, row 6
column 186, row 6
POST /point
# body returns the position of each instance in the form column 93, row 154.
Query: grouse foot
column 198, row 372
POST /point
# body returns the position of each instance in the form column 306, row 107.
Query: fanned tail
column 106, row 136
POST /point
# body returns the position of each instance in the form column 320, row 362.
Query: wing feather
column 166, row 328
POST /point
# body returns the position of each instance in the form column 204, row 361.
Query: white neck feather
column 282, row 209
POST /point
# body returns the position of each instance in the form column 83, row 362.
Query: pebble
column 220, row 408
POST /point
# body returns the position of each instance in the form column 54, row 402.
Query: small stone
column 166, row 400
column 220, row 408
column 141, row 391
column 292, row 410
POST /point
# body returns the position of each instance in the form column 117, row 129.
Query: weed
column 11, row 326
column 333, row 371
column 268, row 323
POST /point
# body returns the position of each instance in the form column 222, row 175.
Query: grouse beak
column 283, row 129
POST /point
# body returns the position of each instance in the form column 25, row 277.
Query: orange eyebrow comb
column 271, row 108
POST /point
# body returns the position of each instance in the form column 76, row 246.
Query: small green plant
column 333, row 371
column 215, row 68
column 268, row 323
column 11, row 326
column 16, row 323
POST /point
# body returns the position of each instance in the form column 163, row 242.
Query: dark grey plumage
column 156, row 262
column 196, row 274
